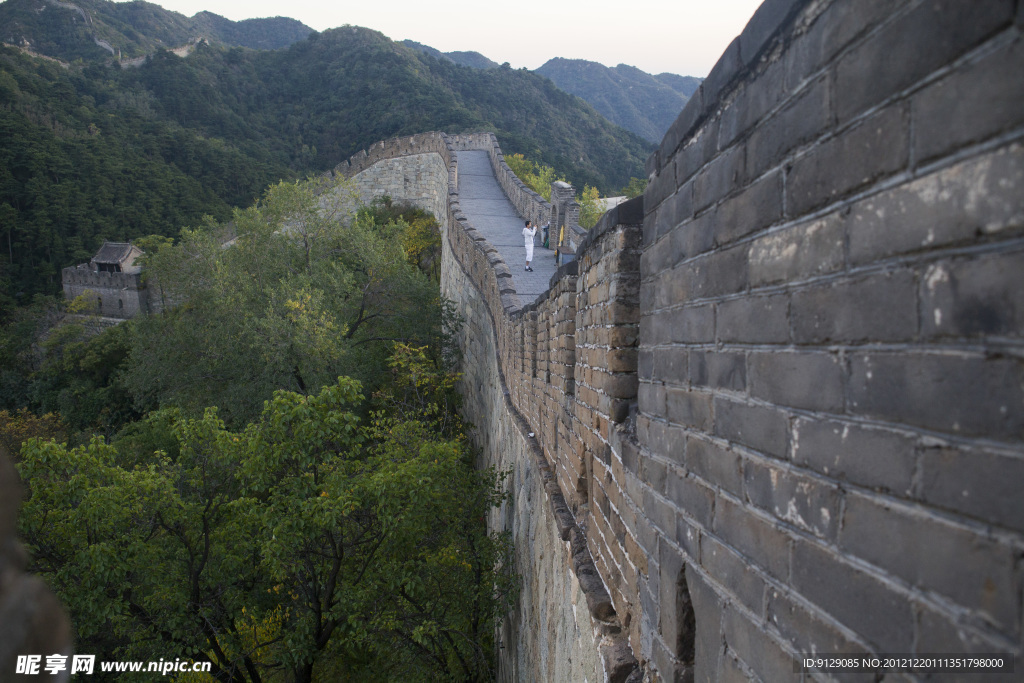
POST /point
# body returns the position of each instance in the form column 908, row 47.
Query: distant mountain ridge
column 640, row 102
column 90, row 29
column 471, row 59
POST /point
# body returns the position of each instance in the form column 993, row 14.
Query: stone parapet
column 513, row 430
column 830, row 421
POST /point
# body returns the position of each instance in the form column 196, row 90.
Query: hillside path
column 489, row 210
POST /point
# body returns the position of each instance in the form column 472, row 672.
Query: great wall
column 775, row 407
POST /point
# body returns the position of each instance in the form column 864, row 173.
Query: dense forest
column 643, row 103
column 271, row 475
column 91, row 29
column 94, row 151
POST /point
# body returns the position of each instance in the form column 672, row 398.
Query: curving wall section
column 776, row 404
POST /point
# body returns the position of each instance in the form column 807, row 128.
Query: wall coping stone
column 768, row 24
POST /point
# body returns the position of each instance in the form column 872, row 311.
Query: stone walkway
column 489, row 210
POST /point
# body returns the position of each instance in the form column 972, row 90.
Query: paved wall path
column 491, row 213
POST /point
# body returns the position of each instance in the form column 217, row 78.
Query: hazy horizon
column 684, row 37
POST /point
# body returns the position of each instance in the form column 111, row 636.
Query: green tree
column 305, row 293
column 635, row 187
column 591, row 208
column 538, row 177
column 312, row 542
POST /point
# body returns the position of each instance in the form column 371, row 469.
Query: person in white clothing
column 528, row 234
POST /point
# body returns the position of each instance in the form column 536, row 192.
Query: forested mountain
column 90, row 29
column 636, row 100
column 471, row 59
column 642, row 103
column 92, row 151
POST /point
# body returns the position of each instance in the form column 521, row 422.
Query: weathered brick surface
column 853, row 427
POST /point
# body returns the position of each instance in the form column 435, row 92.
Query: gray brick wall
column 833, row 241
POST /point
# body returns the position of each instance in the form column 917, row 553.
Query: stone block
column 961, row 395
column 651, row 398
column 979, row 196
column 833, row 30
column 694, row 237
column 658, row 190
column 731, row 670
column 674, row 210
column 653, row 472
column 876, row 458
column 671, row 365
column 972, row 104
column 680, row 129
column 761, row 428
column 974, row 297
column 804, row 502
column 805, row 118
column 805, row 630
column 770, row 18
column 722, row 73
column 799, row 252
column 723, row 176
column 645, row 364
column 660, row 511
column 981, row 484
column 689, row 409
column 755, row 99
column 876, row 611
column 753, row 209
column 673, row 580
column 766, row 657
column 659, row 259
column 943, row 632
column 707, row 609
column 718, row 370
column 733, row 573
column 688, row 537
column 813, row 381
column 911, row 47
column 620, row 664
column 876, row 148
column 919, row 548
column 758, row 541
column 876, row 308
column 719, row 273
column 753, row 320
column 690, row 496
column 714, row 464
column 692, row 324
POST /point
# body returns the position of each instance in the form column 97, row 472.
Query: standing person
column 528, row 233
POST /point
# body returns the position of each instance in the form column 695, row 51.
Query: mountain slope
column 639, row 102
column 92, row 151
column 474, row 60
column 92, row 29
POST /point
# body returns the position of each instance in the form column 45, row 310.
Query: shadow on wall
column 32, row 621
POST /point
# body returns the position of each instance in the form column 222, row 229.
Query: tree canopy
column 311, row 542
column 308, row 290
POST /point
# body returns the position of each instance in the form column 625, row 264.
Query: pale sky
column 685, row 37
